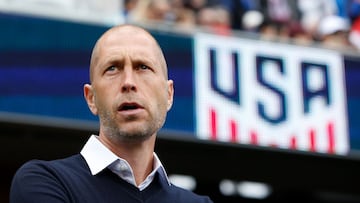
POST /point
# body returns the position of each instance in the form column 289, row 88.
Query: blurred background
column 267, row 92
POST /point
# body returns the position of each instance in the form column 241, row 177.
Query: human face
column 130, row 91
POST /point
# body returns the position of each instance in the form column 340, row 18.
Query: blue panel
column 44, row 64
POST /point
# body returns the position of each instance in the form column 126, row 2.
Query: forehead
column 128, row 40
column 135, row 42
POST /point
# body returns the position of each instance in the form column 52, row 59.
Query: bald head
column 120, row 34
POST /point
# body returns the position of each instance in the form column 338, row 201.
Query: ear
column 170, row 94
column 89, row 95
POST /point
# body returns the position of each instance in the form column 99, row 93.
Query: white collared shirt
column 99, row 157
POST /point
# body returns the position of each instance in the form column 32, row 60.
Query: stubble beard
column 114, row 131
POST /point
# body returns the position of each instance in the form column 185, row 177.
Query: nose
column 129, row 83
column 128, row 88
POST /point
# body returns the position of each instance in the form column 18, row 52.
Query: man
column 131, row 94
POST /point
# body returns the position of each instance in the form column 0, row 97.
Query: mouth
column 129, row 106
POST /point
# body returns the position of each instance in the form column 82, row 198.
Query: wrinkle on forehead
column 127, row 31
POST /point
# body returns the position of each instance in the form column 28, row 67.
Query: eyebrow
column 119, row 60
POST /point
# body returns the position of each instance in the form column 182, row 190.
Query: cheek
column 102, row 100
column 154, row 96
column 163, row 101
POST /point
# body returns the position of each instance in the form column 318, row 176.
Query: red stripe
column 293, row 142
column 312, row 140
column 331, row 136
column 213, row 124
column 233, row 128
column 253, row 138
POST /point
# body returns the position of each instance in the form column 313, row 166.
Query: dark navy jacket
column 69, row 180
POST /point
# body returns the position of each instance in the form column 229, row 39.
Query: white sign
column 270, row 94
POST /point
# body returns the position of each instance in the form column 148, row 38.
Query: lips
column 127, row 106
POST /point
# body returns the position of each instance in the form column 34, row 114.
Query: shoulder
column 56, row 170
column 43, row 177
column 188, row 196
column 43, row 170
column 53, row 166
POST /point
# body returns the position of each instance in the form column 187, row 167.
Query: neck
column 138, row 154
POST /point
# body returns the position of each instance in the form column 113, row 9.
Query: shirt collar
column 98, row 157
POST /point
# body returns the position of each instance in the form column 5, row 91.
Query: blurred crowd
column 330, row 23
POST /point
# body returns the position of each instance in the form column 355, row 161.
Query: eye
column 143, row 67
column 111, row 68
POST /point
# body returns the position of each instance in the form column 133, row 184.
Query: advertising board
column 270, row 94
